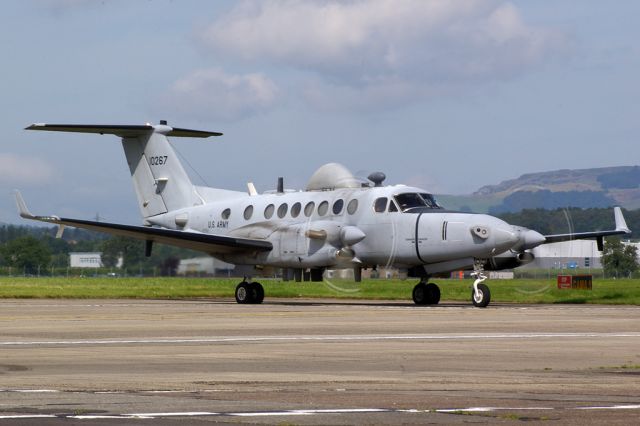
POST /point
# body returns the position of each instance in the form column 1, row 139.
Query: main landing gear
column 426, row 293
column 249, row 292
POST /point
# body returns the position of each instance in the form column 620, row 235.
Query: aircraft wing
column 212, row 244
column 621, row 229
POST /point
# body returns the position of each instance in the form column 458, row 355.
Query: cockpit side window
column 380, row 205
column 392, row 206
column 431, row 201
column 409, row 200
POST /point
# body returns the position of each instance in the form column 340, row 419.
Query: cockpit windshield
column 431, row 201
column 412, row 200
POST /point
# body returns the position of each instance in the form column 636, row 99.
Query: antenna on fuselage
column 377, row 178
column 280, row 185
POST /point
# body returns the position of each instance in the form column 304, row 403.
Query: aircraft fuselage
column 307, row 229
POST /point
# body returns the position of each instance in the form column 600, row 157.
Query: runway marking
column 311, row 412
column 29, row 416
column 613, row 407
column 330, row 338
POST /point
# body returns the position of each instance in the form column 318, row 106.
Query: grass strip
column 605, row 291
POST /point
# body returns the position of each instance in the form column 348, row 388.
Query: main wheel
column 244, row 293
column 482, row 299
column 433, row 294
column 257, row 292
column 420, row 294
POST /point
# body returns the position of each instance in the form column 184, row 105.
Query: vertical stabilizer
column 160, row 181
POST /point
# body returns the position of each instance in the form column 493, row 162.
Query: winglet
column 621, row 224
column 22, row 206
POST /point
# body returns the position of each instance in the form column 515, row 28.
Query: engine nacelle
column 509, row 261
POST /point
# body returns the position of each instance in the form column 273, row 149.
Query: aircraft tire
column 484, row 299
column 258, row 292
column 244, row 293
column 433, row 294
column 420, row 294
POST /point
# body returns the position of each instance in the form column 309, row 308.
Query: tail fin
column 160, row 181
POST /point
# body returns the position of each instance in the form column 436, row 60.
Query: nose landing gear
column 426, row 293
column 480, row 295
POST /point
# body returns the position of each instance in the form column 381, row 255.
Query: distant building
column 567, row 254
column 570, row 254
column 85, row 260
column 205, row 265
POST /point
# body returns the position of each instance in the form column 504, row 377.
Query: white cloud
column 18, row 170
column 207, row 94
column 406, row 49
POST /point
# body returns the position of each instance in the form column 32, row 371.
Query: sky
column 445, row 95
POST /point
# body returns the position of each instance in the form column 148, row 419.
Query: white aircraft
column 338, row 221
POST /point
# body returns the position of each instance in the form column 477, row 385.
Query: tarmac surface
column 316, row 362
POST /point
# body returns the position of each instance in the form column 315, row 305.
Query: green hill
column 583, row 188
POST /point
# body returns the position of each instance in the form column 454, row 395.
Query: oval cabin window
column 248, row 212
column 268, row 211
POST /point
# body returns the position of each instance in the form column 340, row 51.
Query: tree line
column 32, row 249
column 35, row 249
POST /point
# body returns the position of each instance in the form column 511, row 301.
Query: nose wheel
column 480, row 295
column 249, row 293
column 426, row 294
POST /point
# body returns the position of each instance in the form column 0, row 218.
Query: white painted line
column 321, row 338
column 115, row 416
column 613, row 407
column 310, row 412
column 489, row 409
column 29, row 416
column 347, row 410
column 185, row 414
column 269, row 413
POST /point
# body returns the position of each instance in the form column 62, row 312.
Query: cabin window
column 248, row 212
column 308, row 209
column 323, row 208
column 225, row 214
column 295, row 209
column 268, row 211
column 392, row 206
column 282, row 210
column 380, row 205
column 352, row 207
column 338, row 206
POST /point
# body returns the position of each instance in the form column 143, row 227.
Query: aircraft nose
column 530, row 239
column 505, row 238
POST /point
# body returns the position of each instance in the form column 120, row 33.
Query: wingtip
column 23, row 211
column 35, row 126
column 621, row 224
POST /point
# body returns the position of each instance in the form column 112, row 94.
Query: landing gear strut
column 426, row 293
column 252, row 292
column 480, row 295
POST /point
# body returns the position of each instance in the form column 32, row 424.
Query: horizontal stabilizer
column 123, row 130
